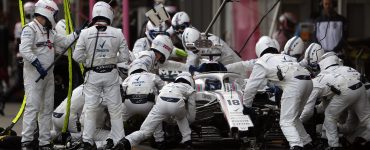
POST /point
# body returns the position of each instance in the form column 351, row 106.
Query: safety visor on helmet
column 181, row 27
column 153, row 33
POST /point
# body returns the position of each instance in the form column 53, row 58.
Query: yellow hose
column 69, row 29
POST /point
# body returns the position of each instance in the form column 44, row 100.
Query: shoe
column 123, row 144
column 308, row 146
column 109, row 144
column 86, row 146
column 30, row 145
column 46, row 147
column 296, row 148
column 161, row 145
column 188, row 145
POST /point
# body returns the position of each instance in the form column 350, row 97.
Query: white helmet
column 189, row 36
column 163, row 45
column 60, row 28
column 328, row 59
column 180, row 22
column 265, row 43
column 103, row 9
column 29, row 9
column 136, row 66
column 313, row 54
column 187, row 77
column 152, row 31
column 48, row 9
column 294, row 46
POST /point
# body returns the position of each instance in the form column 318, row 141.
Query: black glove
column 36, row 63
column 78, row 31
column 192, row 69
column 248, row 110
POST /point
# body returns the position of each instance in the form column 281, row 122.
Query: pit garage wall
column 245, row 18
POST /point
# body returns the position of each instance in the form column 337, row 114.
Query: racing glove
column 36, row 63
column 192, row 69
column 248, row 110
column 78, row 31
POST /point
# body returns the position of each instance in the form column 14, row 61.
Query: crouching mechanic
column 139, row 92
column 295, row 81
column 37, row 49
column 97, row 49
column 174, row 100
column 342, row 90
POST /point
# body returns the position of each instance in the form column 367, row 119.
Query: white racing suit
column 59, row 114
column 38, row 43
column 142, row 44
column 101, row 79
column 173, row 101
column 242, row 67
column 308, row 110
column 140, row 92
column 228, row 55
column 76, row 112
column 352, row 98
column 296, row 84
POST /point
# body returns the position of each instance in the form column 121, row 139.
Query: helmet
column 48, row 9
column 103, row 9
column 29, row 8
column 328, row 59
column 152, row 31
column 137, row 66
column 265, row 43
column 313, row 54
column 185, row 76
column 294, row 46
column 190, row 35
column 180, row 21
column 60, row 28
column 163, row 45
column 288, row 21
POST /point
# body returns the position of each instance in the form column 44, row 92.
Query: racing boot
column 109, row 144
column 123, row 144
column 46, row 147
column 188, row 145
column 30, row 145
column 296, row 148
column 161, row 145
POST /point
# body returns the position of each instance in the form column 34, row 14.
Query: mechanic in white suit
column 37, row 49
column 342, row 89
column 76, row 120
column 97, row 49
column 151, row 31
column 181, row 21
column 311, row 58
column 158, row 55
column 139, row 92
column 171, row 101
column 283, row 71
